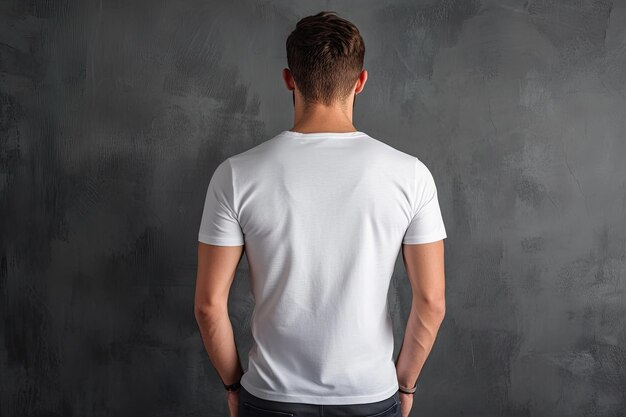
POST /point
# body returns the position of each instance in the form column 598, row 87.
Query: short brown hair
column 325, row 56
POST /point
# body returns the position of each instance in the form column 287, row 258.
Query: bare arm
column 216, row 271
column 424, row 264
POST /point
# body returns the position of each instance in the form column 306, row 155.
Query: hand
column 233, row 402
column 406, row 403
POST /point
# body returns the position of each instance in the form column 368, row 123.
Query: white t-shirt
column 323, row 217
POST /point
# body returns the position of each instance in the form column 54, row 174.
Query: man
column 322, row 211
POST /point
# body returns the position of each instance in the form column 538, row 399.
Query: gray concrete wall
column 113, row 116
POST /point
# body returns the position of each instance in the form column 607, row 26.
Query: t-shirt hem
column 424, row 238
column 325, row 399
column 211, row 240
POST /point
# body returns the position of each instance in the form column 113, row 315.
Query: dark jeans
column 251, row 406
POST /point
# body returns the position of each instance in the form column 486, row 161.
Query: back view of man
column 322, row 211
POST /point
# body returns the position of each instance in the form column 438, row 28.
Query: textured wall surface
column 114, row 114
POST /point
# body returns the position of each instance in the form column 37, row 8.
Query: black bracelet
column 236, row 385
column 233, row 387
column 410, row 391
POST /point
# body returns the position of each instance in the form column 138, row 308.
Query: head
column 325, row 58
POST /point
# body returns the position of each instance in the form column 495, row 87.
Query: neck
column 321, row 118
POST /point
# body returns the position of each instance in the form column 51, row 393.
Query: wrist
column 235, row 386
column 405, row 389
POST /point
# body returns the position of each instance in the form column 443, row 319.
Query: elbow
column 436, row 306
column 201, row 312
column 208, row 312
column 209, row 305
column 440, row 309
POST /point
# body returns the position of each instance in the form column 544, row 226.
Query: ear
column 360, row 82
column 288, row 79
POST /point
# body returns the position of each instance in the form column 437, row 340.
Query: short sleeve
column 427, row 223
column 219, row 224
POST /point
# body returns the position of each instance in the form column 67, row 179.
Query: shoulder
column 255, row 154
column 410, row 165
column 382, row 150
